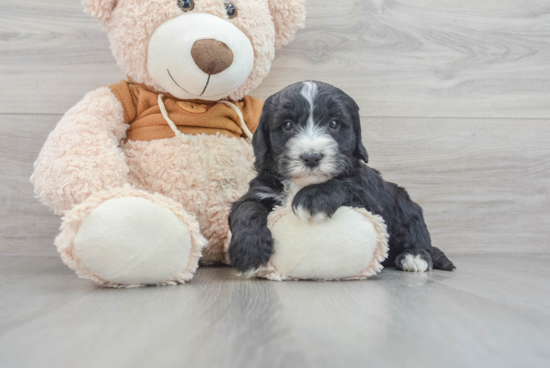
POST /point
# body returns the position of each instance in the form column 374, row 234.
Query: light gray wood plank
column 437, row 58
column 484, row 184
column 515, row 280
column 395, row 319
column 33, row 286
column 52, row 53
column 26, row 227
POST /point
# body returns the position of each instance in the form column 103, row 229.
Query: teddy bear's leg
column 128, row 237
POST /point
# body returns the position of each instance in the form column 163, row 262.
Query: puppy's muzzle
column 311, row 159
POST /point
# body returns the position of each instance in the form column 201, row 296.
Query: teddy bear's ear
column 100, row 9
column 288, row 16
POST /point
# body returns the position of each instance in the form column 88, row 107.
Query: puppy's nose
column 211, row 56
column 311, row 159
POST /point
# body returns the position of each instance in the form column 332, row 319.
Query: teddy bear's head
column 198, row 49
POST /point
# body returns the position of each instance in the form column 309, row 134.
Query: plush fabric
column 97, row 168
column 136, row 226
column 82, row 155
column 268, row 25
column 142, row 112
column 288, row 17
column 172, row 212
column 203, row 52
column 212, row 56
column 100, row 9
column 350, row 245
column 204, row 173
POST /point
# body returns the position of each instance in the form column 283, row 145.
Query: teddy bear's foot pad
column 350, row 245
column 132, row 240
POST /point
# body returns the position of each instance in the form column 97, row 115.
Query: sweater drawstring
column 179, row 134
column 167, row 118
column 240, row 114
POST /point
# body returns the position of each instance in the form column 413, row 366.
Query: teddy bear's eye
column 186, row 5
column 230, row 10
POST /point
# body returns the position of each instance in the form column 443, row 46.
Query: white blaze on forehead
column 312, row 138
column 309, row 91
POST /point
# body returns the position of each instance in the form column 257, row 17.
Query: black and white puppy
column 308, row 147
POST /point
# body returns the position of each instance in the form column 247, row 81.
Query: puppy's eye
column 334, row 125
column 186, row 5
column 230, row 10
column 288, row 126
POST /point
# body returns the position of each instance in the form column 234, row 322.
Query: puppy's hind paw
column 414, row 264
column 417, row 260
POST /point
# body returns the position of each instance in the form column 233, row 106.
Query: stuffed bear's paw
column 414, row 260
column 310, row 204
column 133, row 241
column 250, row 248
column 308, row 251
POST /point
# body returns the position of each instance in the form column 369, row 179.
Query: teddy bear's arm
column 82, row 155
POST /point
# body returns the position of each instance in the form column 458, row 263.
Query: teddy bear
column 144, row 171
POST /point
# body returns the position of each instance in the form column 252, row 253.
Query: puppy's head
column 309, row 132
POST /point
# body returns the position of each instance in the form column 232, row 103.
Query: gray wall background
column 455, row 101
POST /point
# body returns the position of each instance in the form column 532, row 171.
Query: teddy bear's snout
column 212, row 56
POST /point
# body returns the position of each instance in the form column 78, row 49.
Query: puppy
column 308, row 149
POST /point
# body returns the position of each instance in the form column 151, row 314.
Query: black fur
column 353, row 184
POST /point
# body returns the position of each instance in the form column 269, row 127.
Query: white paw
column 305, row 215
column 318, row 217
column 414, row 264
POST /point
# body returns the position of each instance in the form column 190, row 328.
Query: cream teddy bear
column 144, row 171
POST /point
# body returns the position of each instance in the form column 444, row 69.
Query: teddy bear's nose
column 212, row 56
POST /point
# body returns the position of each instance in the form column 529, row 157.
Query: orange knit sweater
column 142, row 112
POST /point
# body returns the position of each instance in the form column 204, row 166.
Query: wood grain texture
column 26, row 227
column 418, row 58
column 484, row 184
column 396, row 319
column 52, row 53
column 406, row 58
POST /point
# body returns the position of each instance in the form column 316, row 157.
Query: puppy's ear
column 100, row 9
column 260, row 141
column 360, row 151
column 288, row 17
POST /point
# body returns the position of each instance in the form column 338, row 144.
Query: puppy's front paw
column 250, row 249
column 414, row 260
column 310, row 204
column 305, row 215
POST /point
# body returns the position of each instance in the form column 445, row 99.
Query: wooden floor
column 494, row 311
column 455, row 106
